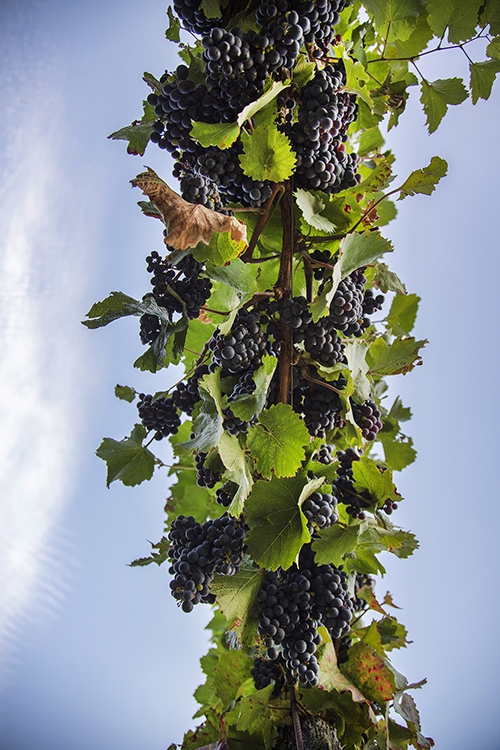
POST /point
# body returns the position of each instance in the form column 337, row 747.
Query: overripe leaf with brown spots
column 187, row 224
column 370, row 673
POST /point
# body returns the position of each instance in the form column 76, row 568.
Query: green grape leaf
column 238, row 469
column 174, row 27
column 220, row 134
column 385, row 537
column 247, row 405
column 212, row 8
column 403, row 314
column 277, row 442
column 303, row 71
column 364, row 561
column 378, row 177
column 236, row 597
column 370, row 673
column 221, row 249
column 207, row 424
column 138, row 133
column 117, row 305
column 387, row 281
column 397, row 358
column 158, row 557
column 438, row 95
column 237, row 284
column 252, row 709
column 493, row 48
column 358, row 80
column 370, row 141
column 356, row 250
column 392, row 633
column 233, row 668
column 278, row 528
column 188, row 499
column 402, row 15
column 424, row 180
column 127, row 460
column 267, row 154
column 482, row 78
column 490, row 14
column 125, row 393
column 460, row 17
column 367, row 476
column 399, row 412
column 198, row 334
column 330, row 676
column 399, row 453
column 332, row 544
column 355, row 352
column 251, row 109
column 311, row 205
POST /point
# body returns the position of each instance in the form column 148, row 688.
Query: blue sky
column 94, row 654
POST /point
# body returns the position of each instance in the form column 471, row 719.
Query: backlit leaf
column 267, row 154
column 277, row 442
column 127, row 460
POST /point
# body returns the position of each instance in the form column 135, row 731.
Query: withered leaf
column 186, row 224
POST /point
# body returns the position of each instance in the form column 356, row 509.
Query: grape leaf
column 377, row 178
column 237, row 469
column 370, row 673
column 355, row 353
column 117, row 305
column 397, row 358
column 392, row 633
column 138, row 133
column 174, row 26
column 233, row 668
column 493, row 48
column 490, row 14
column 251, row 109
column 382, row 536
column 388, row 281
column 303, row 71
column 330, row 676
column 311, row 205
column 399, row 453
column 424, row 180
column 158, row 557
column 460, row 17
column 370, row 141
column 246, row 405
column 252, row 709
column 267, row 154
column 356, row 250
column 438, row 95
column 403, row 314
column 127, row 460
column 207, row 423
column 212, row 8
column 238, row 283
column 363, row 561
column 332, row 544
column 278, row 528
column 221, row 249
column 277, row 442
column 482, row 78
column 220, row 134
column 402, row 15
column 367, row 476
column 188, row 499
column 187, row 224
column 358, row 80
column 236, row 597
column 125, row 393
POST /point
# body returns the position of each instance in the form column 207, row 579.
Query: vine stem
column 299, row 740
column 283, row 290
column 261, row 222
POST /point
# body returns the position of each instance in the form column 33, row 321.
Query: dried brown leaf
column 186, row 224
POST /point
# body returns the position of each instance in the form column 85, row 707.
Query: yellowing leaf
column 186, row 224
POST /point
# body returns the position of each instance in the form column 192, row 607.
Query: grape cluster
column 346, row 309
column 179, row 288
column 324, row 454
column 362, row 580
column 205, row 477
column 149, row 328
column 372, row 302
column 243, row 348
column 389, row 506
column 294, row 313
column 264, row 672
column 293, row 603
column 160, row 415
column 193, row 18
column 343, row 486
column 322, row 342
column 318, row 135
column 319, row 404
column 224, row 496
column 321, row 256
column 319, row 509
column 367, row 417
column 198, row 551
column 233, row 424
column 213, row 176
column 186, row 395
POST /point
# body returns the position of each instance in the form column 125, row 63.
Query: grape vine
column 272, row 271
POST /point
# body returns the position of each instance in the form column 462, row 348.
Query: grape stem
column 283, row 290
column 299, row 740
column 261, row 222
